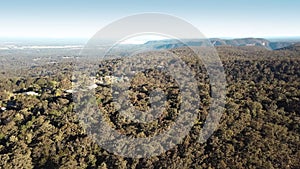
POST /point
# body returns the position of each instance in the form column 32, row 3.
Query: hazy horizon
column 82, row 19
column 134, row 40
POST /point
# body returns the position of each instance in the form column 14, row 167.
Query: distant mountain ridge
column 173, row 43
column 293, row 47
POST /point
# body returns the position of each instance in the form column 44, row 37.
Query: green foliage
column 259, row 128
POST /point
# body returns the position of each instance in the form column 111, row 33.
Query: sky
column 214, row 18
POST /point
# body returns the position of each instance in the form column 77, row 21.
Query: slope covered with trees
column 260, row 127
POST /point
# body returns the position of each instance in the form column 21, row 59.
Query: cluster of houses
column 100, row 81
column 106, row 80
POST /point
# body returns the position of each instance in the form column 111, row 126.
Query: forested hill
column 294, row 47
column 173, row 43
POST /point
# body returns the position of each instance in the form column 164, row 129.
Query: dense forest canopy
column 260, row 127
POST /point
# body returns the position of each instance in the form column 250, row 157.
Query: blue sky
column 81, row 19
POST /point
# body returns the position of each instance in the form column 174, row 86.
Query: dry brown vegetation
column 259, row 128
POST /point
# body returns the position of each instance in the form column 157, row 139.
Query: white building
column 31, row 93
